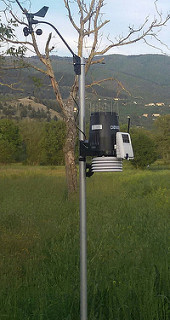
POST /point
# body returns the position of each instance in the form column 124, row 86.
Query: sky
column 121, row 13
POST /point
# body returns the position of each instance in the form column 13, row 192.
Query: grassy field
column 128, row 245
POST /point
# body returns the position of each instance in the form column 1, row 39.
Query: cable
column 76, row 117
column 22, row 9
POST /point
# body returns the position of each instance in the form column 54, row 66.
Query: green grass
column 128, row 245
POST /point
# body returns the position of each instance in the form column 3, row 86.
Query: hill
column 146, row 79
column 146, row 76
column 27, row 107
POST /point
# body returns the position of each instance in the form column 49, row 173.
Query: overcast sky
column 121, row 13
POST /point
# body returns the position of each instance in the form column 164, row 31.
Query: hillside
column 27, row 107
column 147, row 76
column 146, row 79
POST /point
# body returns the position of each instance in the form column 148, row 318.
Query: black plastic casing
column 102, row 134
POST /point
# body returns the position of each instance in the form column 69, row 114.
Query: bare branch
column 95, row 40
column 127, row 40
column 98, row 83
column 91, row 11
column 13, row 67
column 98, row 61
column 11, row 86
column 70, row 15
column 47, row 50
column 25, row 43
column 80, row 5
column 89, row 32
column 17, row 20
column 38, row 69
column 159, row 13
column 34, row 43
column 155, row 47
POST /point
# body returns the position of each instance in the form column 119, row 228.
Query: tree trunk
column 69, row 153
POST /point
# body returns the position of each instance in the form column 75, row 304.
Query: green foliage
column 16, row 52
column 144, row 147
column 163, row 137
column 53, row 143
column 43, row 142
column 37, row 82
column 128, row 244
column 32, row 134
column 10, row 141
column 7, row 31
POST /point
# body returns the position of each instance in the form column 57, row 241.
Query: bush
column 144, row 147
column 32, row 133
column 162, row 134
column 43, row 142
column 10, row 142
column 53, row 142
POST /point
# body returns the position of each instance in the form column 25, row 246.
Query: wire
column 81, row 132
column 20, row 6
column 76, row 117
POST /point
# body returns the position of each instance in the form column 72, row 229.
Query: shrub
column 10, row 142
column 53, row 142
column 144, row 147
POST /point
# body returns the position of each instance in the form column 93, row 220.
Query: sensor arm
column 76, row 59
column 59, row 34
column 41, row 13
column 23, row 10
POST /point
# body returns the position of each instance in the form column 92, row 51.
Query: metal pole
column 82, row 192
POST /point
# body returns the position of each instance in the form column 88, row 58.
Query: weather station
column 106, row 145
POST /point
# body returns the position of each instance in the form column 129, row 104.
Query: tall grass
column 128, row 245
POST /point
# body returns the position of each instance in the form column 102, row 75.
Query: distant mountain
column 145, row 79
column 145, row 76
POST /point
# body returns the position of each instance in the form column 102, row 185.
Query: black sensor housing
column 102, row 134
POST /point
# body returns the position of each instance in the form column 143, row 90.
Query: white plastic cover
column 124, row 148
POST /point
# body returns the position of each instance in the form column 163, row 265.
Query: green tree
column 32, row 135
column 38, row 83
column 10, row 142
column 162, row 126
column 53, row 143
column 145, row 151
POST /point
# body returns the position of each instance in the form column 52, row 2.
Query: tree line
column 21, row 111
column 32, row 142
column 42, row 143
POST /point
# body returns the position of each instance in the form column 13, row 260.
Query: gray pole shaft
column 82, row 195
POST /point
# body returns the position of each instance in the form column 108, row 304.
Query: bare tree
column 90, row 25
